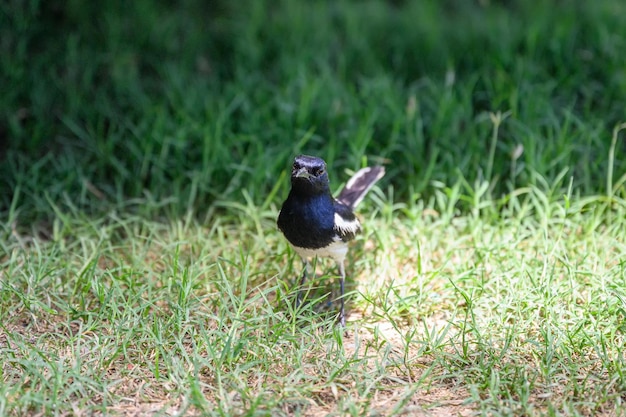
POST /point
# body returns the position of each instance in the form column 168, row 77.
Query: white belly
column 336, row 250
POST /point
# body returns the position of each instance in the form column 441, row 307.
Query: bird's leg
column 307, row 266
column 342, row 313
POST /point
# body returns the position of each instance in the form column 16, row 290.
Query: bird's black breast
column 308, row 222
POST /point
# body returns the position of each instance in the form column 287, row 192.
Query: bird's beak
column 302, row 173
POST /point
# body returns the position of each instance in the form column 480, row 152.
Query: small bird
column 317, row 224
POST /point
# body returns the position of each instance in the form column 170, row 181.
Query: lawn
column 145, row 150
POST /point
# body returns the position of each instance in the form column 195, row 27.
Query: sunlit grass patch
column 512, row 313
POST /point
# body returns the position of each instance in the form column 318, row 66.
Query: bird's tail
column 359, row 185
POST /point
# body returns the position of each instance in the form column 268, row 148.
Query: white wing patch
column 347, row 226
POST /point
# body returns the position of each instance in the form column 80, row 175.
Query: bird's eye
column 319, row 171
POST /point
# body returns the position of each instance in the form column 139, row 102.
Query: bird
column 318, row 225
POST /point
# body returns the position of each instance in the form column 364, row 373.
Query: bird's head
column 309, row 173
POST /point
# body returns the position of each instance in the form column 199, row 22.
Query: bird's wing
column 346, row 223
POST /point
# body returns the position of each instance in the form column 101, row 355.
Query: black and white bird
column 315, row 223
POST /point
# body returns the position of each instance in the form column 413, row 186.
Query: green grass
column 145, row 151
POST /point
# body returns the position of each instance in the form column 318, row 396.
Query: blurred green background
column 166, row 107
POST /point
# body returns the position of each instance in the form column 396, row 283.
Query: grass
column 523, row 315
column 145, row 152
